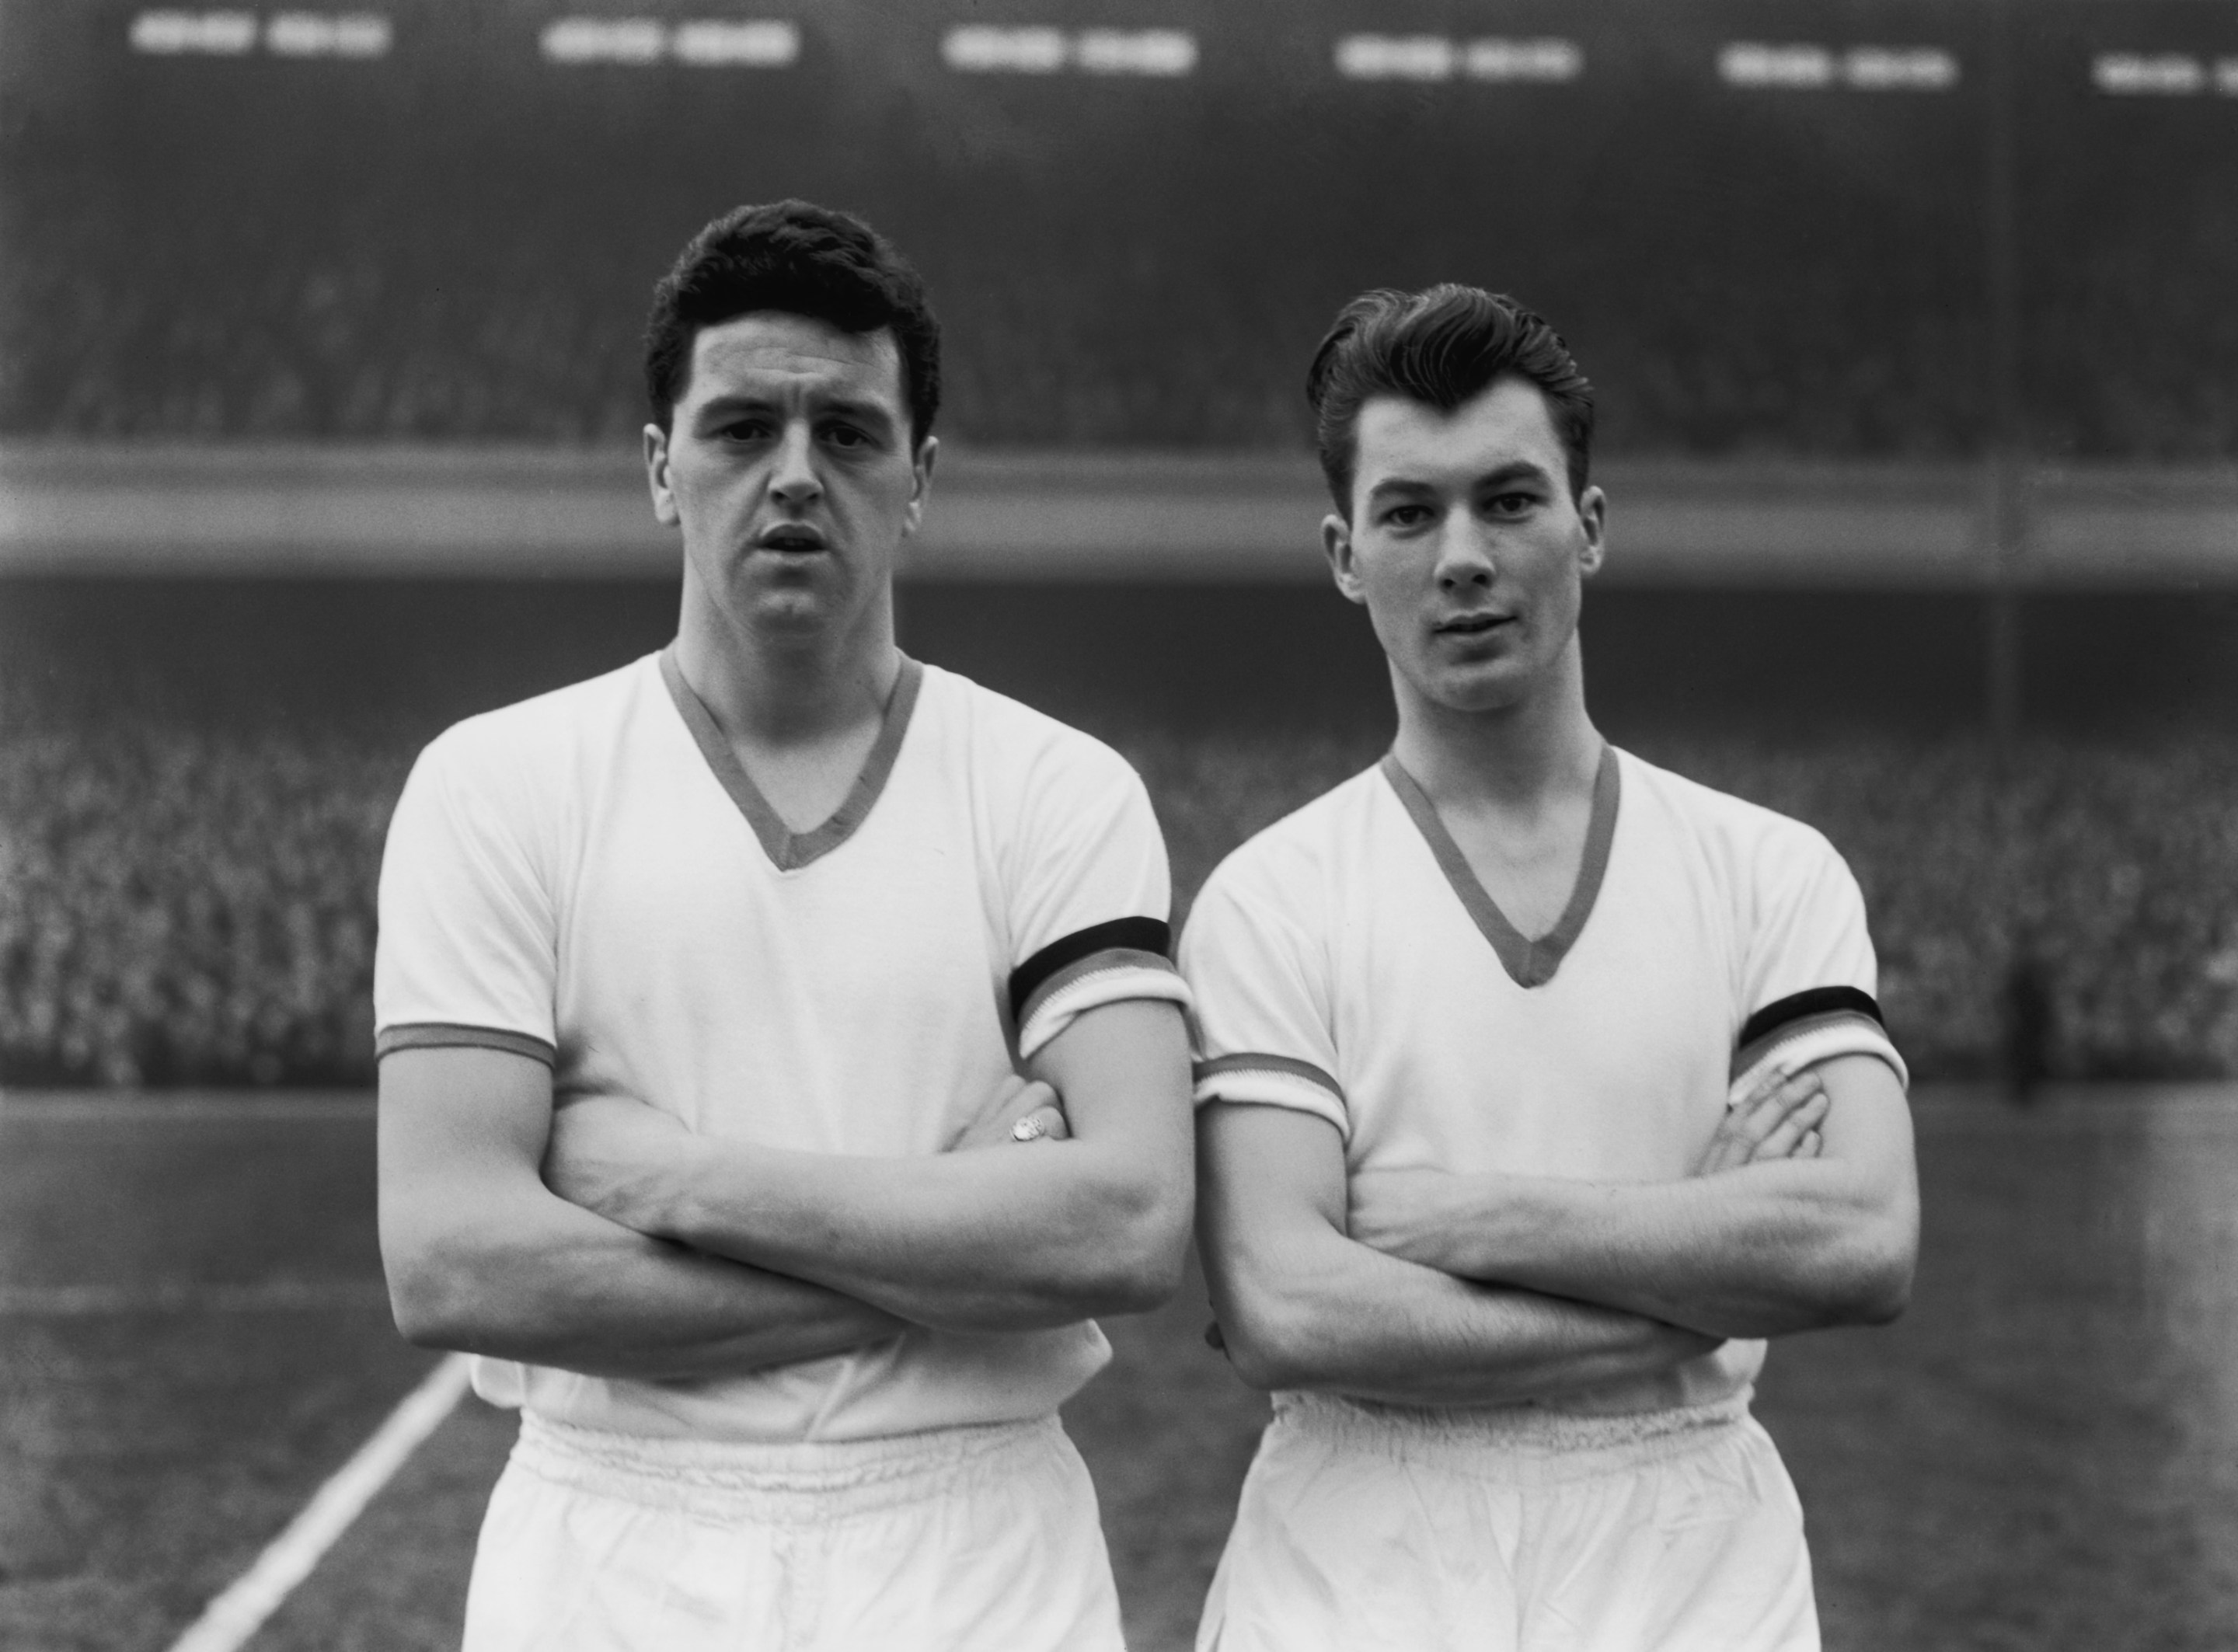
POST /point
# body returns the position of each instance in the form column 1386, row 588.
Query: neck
column 787, row 688
column 1517, row 756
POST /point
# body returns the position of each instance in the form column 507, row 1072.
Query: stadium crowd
column 254, row 249
column 191, row 900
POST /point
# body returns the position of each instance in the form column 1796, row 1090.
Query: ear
column 656, row 476
column 921, row 483
column 1337, row 544
column 1592, row 516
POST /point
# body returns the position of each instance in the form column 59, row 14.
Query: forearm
column 1335, row 1317
column 545, row 1283
column 1760, row 1251
column 1000, row 1239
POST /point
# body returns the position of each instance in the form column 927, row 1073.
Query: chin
column 795, row 612
column 1492, row 689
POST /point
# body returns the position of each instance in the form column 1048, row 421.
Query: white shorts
column 958, row 1538
column 1366, row 1527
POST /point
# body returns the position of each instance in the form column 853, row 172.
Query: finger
column 1782, row 1140
column 1811, row 1146
column 1769, row 1083
column 1741, row 1134
column 1792, row 1092
column 1043, row 1123
column 1782, row 1102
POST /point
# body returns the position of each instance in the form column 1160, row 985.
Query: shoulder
column 516, row 739
column 1018, row 749
column 1296, row 860
column 527, row 759
column 1732, row 830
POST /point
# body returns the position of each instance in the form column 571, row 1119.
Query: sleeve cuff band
column 1802, row 1044
column 445, row 1035
column 1110, row 978
column 1273, row 1081
column 1065, row 956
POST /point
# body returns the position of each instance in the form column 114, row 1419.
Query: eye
column 1406, row 516
column 1514, row 504
column 744, row 430
column 846, row 436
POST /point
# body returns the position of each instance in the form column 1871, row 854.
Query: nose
column 1465, row 556
column 793, row 480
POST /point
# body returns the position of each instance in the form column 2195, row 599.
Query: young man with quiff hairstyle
column 1540, row 1087
column 779, row 1061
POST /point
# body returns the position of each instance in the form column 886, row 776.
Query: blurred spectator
column 192, row 902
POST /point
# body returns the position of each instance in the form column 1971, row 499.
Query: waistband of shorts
column 1513, row 1444
column 797, row 1483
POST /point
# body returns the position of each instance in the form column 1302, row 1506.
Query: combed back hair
column 803, row 260
column 1441, row 346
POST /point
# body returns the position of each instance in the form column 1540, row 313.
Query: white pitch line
column 228, row 1621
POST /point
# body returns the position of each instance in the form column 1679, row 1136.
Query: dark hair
column 804, row 260
column 1441, row 346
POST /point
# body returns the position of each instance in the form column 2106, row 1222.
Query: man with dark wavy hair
column 1540, row 1087
column 779, row 1060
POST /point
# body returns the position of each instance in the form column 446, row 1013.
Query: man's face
column 789, row 465
column 1465, row 545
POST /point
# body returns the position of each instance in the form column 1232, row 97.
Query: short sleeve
column 1809, row 976
column 1262, row 999
column 1088, row 895
column 466, row 953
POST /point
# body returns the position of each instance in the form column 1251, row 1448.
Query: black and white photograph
column 1069, row 825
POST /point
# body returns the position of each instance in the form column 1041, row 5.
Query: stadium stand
column 454, row 238
column 195, row 781
column 194, row 903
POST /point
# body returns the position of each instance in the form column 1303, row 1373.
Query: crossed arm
column 666, row 1254
column 1777, row 1245
column 1399, row 1286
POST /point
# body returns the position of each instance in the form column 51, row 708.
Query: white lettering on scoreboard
column 2165, row 73
column 985, row 49
column 215, row 34
column 705, row 42
column 284, row 34
column 1425, row 57
column 763, row 43
column 1899, row 69
column 606, row 40
column 1806, row 66
column 313, row 34
column 1529, row 60
column 1435, row 57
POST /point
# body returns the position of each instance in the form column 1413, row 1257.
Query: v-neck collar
column 1528, row 962
column 789, row 850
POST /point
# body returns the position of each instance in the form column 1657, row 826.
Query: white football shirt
column 592, row 879
column 1345, row 962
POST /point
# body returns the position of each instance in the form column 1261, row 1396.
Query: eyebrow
column 1521, row 470
column 867, row 413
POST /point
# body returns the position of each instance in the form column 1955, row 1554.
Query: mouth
column 790, row 538
column 1472, row 624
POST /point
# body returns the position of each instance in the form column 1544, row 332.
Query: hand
column 1400, row 1212
column 1017, row 1103
column 607, row 1153
column 1778, row 1119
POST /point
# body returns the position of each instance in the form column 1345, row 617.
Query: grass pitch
column 2039, row 1455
